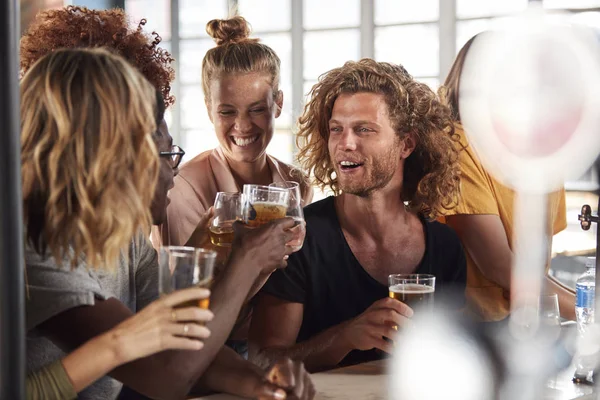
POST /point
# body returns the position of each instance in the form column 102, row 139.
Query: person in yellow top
column 483, row 220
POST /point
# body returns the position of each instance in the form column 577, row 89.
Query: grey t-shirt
column 53, row 289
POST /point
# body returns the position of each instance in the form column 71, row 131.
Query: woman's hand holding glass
column 160, row 326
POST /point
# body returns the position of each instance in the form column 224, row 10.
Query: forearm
column 227, row 299
column 323, row 351
column 566, row 298
column 231, row 374
column 80, row 368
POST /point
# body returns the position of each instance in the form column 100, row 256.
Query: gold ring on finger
column 173, row 316
column 186, row 329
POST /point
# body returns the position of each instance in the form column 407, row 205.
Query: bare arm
column 169, row 374
column 276, row 323
column 284, row 379
column 149, row 332
column 273, row 334
column 484, row 239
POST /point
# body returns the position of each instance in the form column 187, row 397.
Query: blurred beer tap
column 586, row 218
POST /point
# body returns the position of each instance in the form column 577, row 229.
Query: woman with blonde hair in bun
column 240, row 80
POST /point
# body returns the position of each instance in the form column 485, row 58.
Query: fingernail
column 280, row 394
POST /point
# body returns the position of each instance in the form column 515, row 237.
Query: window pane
column 190, row 61
column 395, row 11
column 194, row 14
column 193, row 110
column 488, row 8
column 319, row 14
column 266, row 15
column 416, row 47
column 156, row 12
column 308, row 85
column 465, row 30
column 342, row 46
column 282, row 146
column 197, row 141
column 281, row 43
column 571, row 3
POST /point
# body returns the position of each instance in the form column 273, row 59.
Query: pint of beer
column 263, row 204
column 183, row 267
column 415, row 290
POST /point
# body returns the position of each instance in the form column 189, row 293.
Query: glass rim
column 292, row 185
column 395, row 279
column 188, row 249
column 263, row 188
column 228, row 193
column 411, row 276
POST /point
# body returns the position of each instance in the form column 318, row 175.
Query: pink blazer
column 196, row 187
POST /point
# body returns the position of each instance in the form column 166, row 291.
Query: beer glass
column 415, row 290
column 295, row 211
column 263, row 204
column 228, row 209
column 183, row 267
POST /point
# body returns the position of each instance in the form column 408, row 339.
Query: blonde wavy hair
column 89, row 164
column 431, row 173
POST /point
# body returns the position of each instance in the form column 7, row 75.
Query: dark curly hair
column 431, row 173
column 74, row 27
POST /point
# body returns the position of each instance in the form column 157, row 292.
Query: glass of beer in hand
column 414, row 290
column 294, row 210
column 183, row 267
column 263, row 204
column 228, row 209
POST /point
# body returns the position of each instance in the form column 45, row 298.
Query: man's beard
column 379, row 173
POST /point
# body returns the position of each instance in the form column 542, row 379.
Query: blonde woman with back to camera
column 70, row 306
column 83, row 201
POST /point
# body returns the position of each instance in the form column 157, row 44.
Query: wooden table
column 368, row 381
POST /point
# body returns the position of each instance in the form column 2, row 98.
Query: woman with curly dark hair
column 73, row 27
column 384, row 144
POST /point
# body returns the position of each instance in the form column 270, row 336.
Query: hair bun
column 232, row 30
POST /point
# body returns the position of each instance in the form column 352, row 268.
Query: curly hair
column 89, row 164
column 75, row 27
column 431, row 182
column 237, row 53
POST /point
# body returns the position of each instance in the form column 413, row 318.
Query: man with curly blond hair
column 383, row 143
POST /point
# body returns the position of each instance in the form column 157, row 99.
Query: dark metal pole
column 12, row 285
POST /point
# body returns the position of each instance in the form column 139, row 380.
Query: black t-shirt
column 326, row 277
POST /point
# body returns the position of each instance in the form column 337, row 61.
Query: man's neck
column 256, row 172
column 372, row 215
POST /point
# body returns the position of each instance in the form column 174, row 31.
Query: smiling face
column 365, row 150
column 243, row 109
